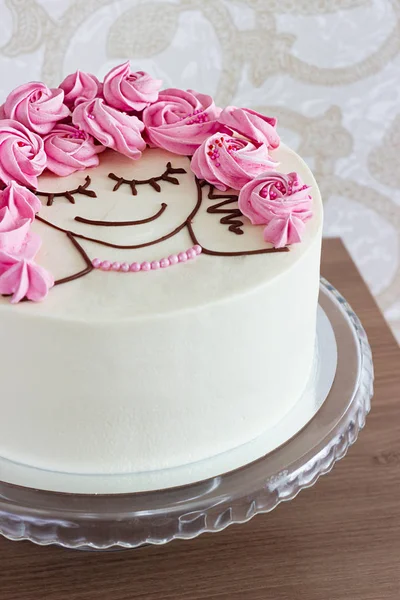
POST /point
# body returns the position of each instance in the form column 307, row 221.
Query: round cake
column 159, row 275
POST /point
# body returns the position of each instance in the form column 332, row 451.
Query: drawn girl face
column 120, row 217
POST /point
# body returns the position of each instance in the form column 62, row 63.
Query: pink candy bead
column 135, row 267
column 105, row 265
column 164, row 262
column 173, row 259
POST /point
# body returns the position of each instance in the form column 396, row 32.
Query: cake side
column 159, row 275
column 174, row 377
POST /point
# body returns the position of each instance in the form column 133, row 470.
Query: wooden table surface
column 338, row 540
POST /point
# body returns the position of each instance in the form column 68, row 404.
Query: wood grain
column 339, row 540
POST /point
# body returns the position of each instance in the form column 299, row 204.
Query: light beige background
column 329, row 69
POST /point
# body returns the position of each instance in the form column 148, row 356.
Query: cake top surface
column 123, row 201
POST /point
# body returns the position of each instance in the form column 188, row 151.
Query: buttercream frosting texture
column 110, row 127
column 20, row 276
column 23, row 279
column 128, row 91
column 279, row 201
column 70, row 149
column 80, row 87
column 20, row 201
column 36, row 106
column 252, row 125
column 179, row 121
column 22, row 155
column 228, row 162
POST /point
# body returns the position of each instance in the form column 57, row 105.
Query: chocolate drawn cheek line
column 123, row 223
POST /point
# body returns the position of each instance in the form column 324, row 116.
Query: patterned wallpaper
column 329, row 69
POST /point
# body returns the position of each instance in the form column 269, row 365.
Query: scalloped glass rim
column 132, row 520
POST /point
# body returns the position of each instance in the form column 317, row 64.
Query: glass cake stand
column 130, row 520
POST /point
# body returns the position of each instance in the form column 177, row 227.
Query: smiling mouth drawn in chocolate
column 231, row 217
column 133, row 183
column 123, row 223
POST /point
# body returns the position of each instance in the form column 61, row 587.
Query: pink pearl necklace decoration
column 135, row 267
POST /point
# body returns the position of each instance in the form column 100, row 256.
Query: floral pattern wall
column 329, row 69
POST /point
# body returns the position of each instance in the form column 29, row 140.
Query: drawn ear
column 60, row 253
column 221, row 229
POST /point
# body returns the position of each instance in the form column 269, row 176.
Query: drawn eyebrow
column 68, row 194
column 166, row 176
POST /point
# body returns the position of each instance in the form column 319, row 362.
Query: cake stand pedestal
column 116, row 521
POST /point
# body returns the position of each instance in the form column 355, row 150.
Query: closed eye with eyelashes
column 84, row 189
column 68, row 194
column 152, row 181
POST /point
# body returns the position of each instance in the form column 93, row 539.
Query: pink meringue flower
column 80, row 87
column 180, row 121
column 23, row 279
column 22, row 156
column 20, row 201
column 226, row 162
column 279, row 201
column 254, row 126
column 2, row 113
column 110, row 127
column 129, row 91
column 36, row 106
column 70, row 149
column 16, row 237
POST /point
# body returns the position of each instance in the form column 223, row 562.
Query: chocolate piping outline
column 109, row 244
column 123, row 223
column 151, row 181
column 232, row 214
column 187, row 223
column 86, row 271
column 199, row 185
column 68, row 194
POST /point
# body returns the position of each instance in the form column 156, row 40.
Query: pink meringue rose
column 80, row 87
column 23, row 279
column 16, row 237
column 2, row 113
column 22, row 156
column 279, row 201
column 21, row 202
column 226, row 162
column 180, row 121
column 129, row 91
column 254, row 126
column 110, row 127
column 36, row 106
column 70, row 149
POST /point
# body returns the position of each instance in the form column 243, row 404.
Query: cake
column 159, row 275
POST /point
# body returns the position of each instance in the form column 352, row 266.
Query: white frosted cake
column 159, row 275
